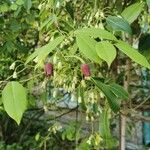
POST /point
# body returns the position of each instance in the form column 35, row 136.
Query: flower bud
column 87, row 118
column 79, row 99
column 12, row 66
column 59, row 66
column 83, row 84
column 55, row 59
column 55, row 93
column 15, row 75
column 85, row 70
column 92, row 118
column 48, row 69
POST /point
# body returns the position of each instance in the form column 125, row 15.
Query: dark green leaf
column 111, row 97
column 118, row 24
column 119, row 91
column 28, row 5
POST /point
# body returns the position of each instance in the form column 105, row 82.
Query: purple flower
column 85, row 69
column 49, row 69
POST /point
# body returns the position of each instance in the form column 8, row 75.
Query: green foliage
column 104, row 129
column 148, row 2
column 132, row 53
column 96, row 33
column 112, row 94
column 14, row 100
column 41, row 53
column 119, row 91
column 103, row 50
column 27, row 5
column 87, row 47
column 118, row 24
column 132, row 12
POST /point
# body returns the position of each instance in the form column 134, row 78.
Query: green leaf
column 83, row 145
column 119, row 91
column 49, row 21
column 96, row 32
column 0, row 100
column 20, row 2
column 42, row 52
column 148, row 2
column 87, row 47
column 132, row 12
column 111, row 97
column 104, row 128
column 106, row 51
column 28, row 5
column 132, row 53
column 4, row 8
column 14, row 6
column 14, row 100
column 118, row 24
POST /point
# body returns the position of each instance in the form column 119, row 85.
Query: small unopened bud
column 48, row 69
column 75, row 80
column 92, row 118
column 83, row 84
column 43, row 84
column 35, row 59
column 85, row 70
column 15, row 75
column 55, row 93
column 79, row 99
column 45, row 108
column 59, row 66
column 55, row 59
column 73, row 86
column 72, row 97
column 87, row 118
column 101, row 95
column 12, row 66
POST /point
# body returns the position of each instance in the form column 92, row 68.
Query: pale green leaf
column 14, row 100
column 4, row 8
column 43, row 51
column 132, row 12
column 148, row 2
column 20, row 2
column 106, row 51
column 87, row 47
column 118, row 24
column 96, row 32
column 14, row 6
column 132, row 53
